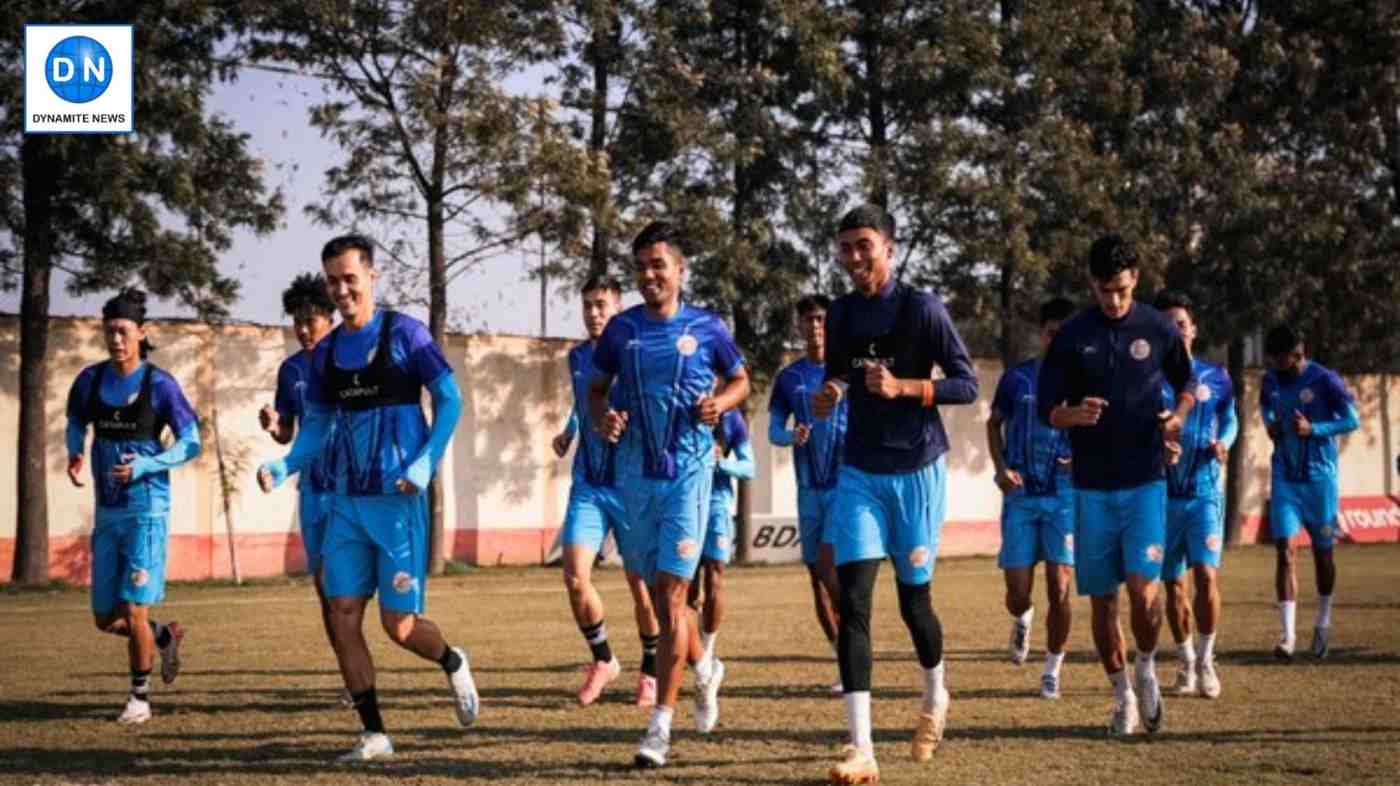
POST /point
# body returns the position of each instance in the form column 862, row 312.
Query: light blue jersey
column 816, row 463
column 595, row 505
column 736, row 461
column 1195, row 503
column 1037, row 519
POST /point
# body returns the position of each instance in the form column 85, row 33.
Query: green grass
column 256, row 703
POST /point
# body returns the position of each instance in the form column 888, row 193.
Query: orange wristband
column 928, row 393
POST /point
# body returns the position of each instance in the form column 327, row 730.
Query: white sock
column 661, row 718
column 858, row 721
column 1186, row 650
column 1324, row 611
column 1026, row 618
column 1053, row 661
column 1288, row 615
column 707, row 643
column 1207, row 647
column 1145, row 666
column 1119, row 680
column 933, row 686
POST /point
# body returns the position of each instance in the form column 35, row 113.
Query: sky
column 273, row 108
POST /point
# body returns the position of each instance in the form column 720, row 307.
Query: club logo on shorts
column 1306, row 396
column 139, row 577
column 1213, row 543
column 1202, row 393
column 403, row 583
column 686, row 345
column 1069, row 542
column 1140, row 349
column 1154, row 552
column 919, row 557
column 687, row 548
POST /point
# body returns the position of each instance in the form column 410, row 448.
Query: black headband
column 122, row 308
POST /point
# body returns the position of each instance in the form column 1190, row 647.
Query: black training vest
column 891, row 424
column 380, row 384
column 131, row 422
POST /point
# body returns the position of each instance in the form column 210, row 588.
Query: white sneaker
column 707, row 697
column 1050, row 686
column 1151, row 708
column 837, row 687
column 656, row 743
column 1020, row 643
column 1210, row 683
column 344, row 698
column 170, row 653
column 1125, row 716
column 1319, row 643
column 1283, row 650
column 370, row 745
column 1185, row 684
column 136, row 712
column 465, row 701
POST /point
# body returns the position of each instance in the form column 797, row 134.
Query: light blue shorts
column 1312, row 504
column 895, row 516
column 1195, row 534
column 312, row 509
column 667, row 519
column 719, row 529
column 128, row 559
column 1037, row 528
column 377, row 543
column 1116, row 533
column 813, row 508
column 593, row 512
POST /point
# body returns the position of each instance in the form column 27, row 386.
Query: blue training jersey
column 293, row 377
column 664, row 367
column 372, row 379
column 909, row 332
column 1033, row 449
column 1321, row 396
column 818, row 462
column 128, row 415
column 732, row 435
column 1125, row 362
column 1197, row 473
column 595, row 458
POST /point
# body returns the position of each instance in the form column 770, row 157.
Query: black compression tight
column 857, row 580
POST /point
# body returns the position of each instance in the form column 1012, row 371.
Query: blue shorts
column 1312, row 504
column 128, row 559
column 1037, row 528
column 1195, row 534
column 311, row 507
column 593, row 511
column 813, row 507
column 719, row 529
column 667, row 519
column 1116, row 533
column 896, row 516
column 378, row 543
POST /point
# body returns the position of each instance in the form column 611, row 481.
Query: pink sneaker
column 170, row 653
column 646, row 691
column 596, row 677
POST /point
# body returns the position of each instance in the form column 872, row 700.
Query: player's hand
column 1009, row 480
column 1222, row 453
column 121, row 473
column 1301, row 424
column 801, row 434
column 880, row 381
column 1170, row 425
column 612, row 426
column 406, row 487
column 1085, row 413
column 265, row 480
column 707, row 410
column 75, row 470
column 719, row 452
column 561, row 443
column 824, row 401
column 267, row 419
column 1173, row 452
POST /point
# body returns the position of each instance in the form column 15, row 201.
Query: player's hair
column 1110, row 255
column 308, row 290
column 603, row 283
column 1171, row 298
column 868, row 216
column 1281, row 339
column 1056, row 309
column 339, row 245
column 130, row 303
column 811, row 303
column 656, row 232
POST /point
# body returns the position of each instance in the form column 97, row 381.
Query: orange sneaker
column 857, row 767
column 596, row 677
column 646, row 691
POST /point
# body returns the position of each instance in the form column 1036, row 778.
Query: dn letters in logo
column 78, row 79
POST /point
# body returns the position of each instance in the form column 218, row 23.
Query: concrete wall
column 506, row 491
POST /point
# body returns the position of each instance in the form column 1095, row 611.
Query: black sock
column 141, row 685
column 597, row 638
column 649, row 644
column 162, row 634
column 450, row 660
column 367, row 704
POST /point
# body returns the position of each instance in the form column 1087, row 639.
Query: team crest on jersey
column 139, row 577
column 1140, row 349
column 1213, row 543
column 1202, row 393
column 1306, row 395
column 1154, row 552
column 919, row 557
column 403, row 583
column 686, row 345
column 687, row 548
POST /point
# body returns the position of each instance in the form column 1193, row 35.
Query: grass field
column 256, row 703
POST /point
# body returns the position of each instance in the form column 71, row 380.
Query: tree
column 153, row 208
column 439, row 156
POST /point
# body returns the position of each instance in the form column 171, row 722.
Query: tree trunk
column 872, row 52
column 1236, row 480
column 1006, row 342
column 31, row 559
column 600, row 53
column 437, row 325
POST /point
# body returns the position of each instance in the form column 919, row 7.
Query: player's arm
column 836, row 363
column 75, row 434
column 1058, row 383
column 1268, row 391
column 1346, row 419
column 279, row 420
column 1227, row 421
column 778, row 413
column 447, row 410
column 742, row 464
column 1176, row 366
column 310, row 441
column 171, row 404
column 727, row 362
